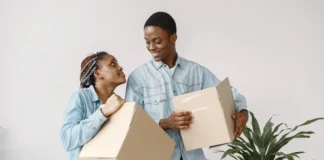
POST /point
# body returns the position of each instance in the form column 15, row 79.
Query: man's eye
column 113, row 64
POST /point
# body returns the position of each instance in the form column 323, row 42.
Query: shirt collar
column 94, row 96
column 159, row 64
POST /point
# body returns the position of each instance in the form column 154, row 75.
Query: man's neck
column 171, row 59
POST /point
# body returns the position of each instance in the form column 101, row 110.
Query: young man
column 153, row 84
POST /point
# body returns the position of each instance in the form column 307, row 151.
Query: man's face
column 158, row 42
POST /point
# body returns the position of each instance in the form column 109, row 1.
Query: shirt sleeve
column 77, row 131
column 133, row 92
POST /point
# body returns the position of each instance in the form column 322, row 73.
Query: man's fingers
column 239, row 128
column 180, row 114
column 183, row 127
column 237, row 132
column 184, row 118
column 181, row 123
column 240, row 131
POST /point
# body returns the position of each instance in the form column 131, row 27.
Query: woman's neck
column 104, row 92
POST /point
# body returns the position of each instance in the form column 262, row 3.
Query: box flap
column 210, row 126
column 228, row 104
column 108, row 141
column 146, row 140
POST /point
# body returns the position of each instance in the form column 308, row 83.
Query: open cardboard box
column 129, row 134
column 212, row 109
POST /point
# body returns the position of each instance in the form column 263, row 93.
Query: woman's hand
column 113, row 104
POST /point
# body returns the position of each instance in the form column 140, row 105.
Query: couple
column 151, row 85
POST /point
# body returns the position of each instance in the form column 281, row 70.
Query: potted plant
column 266, row 145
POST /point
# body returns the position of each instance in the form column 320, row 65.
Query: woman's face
column 109, row 71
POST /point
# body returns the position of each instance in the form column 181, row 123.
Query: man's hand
column 241, row 117
column 176, row 121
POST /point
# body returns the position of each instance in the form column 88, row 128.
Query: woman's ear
column 97, row 74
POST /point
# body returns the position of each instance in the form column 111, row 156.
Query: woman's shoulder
column 81, row 95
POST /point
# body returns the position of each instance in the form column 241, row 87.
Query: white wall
column 272, row 51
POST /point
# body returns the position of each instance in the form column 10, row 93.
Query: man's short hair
column 162, row 20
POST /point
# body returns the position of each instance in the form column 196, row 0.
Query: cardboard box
column 212, row 109
column 129, row 134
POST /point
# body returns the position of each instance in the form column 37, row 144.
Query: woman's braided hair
column 88, row 66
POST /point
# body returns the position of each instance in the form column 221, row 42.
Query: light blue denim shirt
column 153, row 85
column 82, row 120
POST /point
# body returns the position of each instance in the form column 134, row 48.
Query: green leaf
column 256, row 130
column 278, row 126
column 218, row 151
column 272, row 137
column 288, row 156
column 230, row 152
column 283, row 140
column 267, row 134
column 295, row 154
column 255, row 125
column 283, row 155
column 269, row 155
column 242, row 151
column 305, row 123
column 247, row 133
column 240, row 143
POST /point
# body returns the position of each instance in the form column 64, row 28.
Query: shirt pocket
column 187, row 88
column 154, row 105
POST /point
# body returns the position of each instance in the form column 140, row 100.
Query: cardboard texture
column 129, row 134
column 212, row 109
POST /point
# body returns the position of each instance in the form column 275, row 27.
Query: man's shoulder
column 191, row 64
column 141, row 70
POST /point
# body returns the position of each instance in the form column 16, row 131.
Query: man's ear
column 173, row 38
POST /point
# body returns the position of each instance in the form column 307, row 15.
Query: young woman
column 91, row 106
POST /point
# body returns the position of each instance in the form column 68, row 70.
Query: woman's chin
column 123, row 81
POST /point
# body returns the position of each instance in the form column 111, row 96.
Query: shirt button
column 94, row 128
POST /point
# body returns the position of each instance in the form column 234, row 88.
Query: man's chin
column 157, row 59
